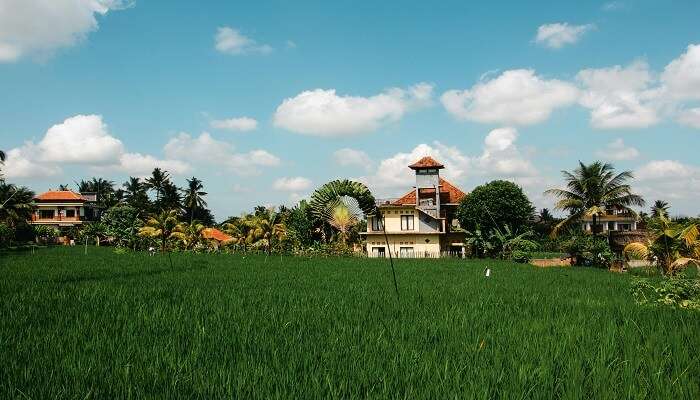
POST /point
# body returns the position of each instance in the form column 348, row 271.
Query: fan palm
column 194, row 196
column 188, row 234
column 591, row 190
column 160, row 227
column 670, row 245
column 341, row 218
column 16, row 204
column 157, row 182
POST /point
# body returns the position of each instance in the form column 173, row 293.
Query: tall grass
column 128, row 326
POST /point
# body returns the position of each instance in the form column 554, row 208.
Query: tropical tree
column 495, row 205
column 591, row 190
column 160, row 227
column 194, row 196
column 103, row 188
column 122, row 224
column 63, row 187
column 670, row 245
column 135, row 193
column 188, row 234
column 93, row 230
column 660, row 208
column 478, row 242
column 341, row 218
column 505, row 242
column 157, row 182
column 16, row 204
column 171, row 199
column 264, row 230
column 327, row 204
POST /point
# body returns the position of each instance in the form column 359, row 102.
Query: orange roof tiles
column 449, row 193
column 426, row 162
column 60, row 195
column 213, row 233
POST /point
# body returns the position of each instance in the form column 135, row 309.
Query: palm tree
column 194, row 196
column 160, row 227
column 157, row 182
column 263, row 230
column 341, row 218
column 63, row 187
column 659, row 208
column 591, row 190
column 188, row 234
column 16, row 204
column 103, row 188
column 135, row 193
column 545, row 215
column 477, row 242
column 171, row 199
column 670, row 246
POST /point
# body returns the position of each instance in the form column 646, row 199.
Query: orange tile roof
column 60, row 195
column 213, row 233
column 449, row 193
column 426, row 162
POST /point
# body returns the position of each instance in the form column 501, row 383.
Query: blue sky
column 267, row 100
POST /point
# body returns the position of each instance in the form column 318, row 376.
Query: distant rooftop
column 60, row 195
column 426, row 162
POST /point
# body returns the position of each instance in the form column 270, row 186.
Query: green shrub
column 6, row 235
column 674, row 292
column 589, row 250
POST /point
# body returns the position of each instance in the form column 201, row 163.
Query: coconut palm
column 194, row 196
column 591, row 190
column 135, row 193
column 16, row 204
column 188, row 234
column 157, row 182
column 670, row 245
column 160, row 227
column 659, row 208
column 171, row 198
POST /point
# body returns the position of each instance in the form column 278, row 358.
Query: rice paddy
column 108, row 325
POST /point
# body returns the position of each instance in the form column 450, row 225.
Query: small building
column 421, row 223
column 63, row 209
column 614, row 220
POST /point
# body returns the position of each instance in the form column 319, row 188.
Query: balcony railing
column 56, row 218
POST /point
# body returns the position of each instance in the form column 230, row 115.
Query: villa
column 421, row 223
column 613, row 220
column 64, row 208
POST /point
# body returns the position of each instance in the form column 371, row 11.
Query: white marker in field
column 487, row 272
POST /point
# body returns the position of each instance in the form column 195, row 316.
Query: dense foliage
column 493, row 206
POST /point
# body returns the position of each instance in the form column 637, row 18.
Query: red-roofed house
column 424, row 228
column 61, row 208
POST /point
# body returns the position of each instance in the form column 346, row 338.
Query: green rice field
column 107, row 325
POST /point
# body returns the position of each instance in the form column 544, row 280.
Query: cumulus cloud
column 231, row 41
column 558, row 35
column 690, row 117
column 681, row 77
column 242, row 124
column 292, row 184
column 21, row 164
column 207, row 150
column 142, row 164
column 669, row 179
column 618, row 151
column 516, row 97
column 350, row 157
column 82, row 139
column 500, row 158
column 324, row 113
column 37, row 28
column 620, row 97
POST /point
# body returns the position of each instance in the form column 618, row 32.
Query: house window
column 46, row 214
column 624, row 227
column 376, row 224
column 406, row 252
column 70, row 213
column 407, row 222
column 378, row 252
column 611, row 226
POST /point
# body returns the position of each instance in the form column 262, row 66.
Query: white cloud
column 142, row 164
column 82, row 139
column 20, row 164
column 207, row 150
column 293, row 184
column 681, row 77
column 613, row 6
column 500, row 159
column 558, row 35
column 231, row 41
column 351, row 157
column 690, row 117
column 242, row 124
column 670, row 179
column 516, row 97
column 620, row 97
column 618, row 151
column 324, row 113
column 39, row 27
